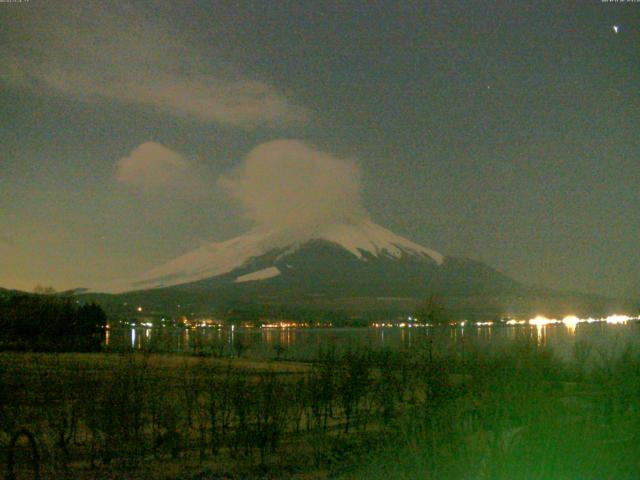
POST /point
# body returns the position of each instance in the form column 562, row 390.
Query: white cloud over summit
column 283, row 185
column 288, row 184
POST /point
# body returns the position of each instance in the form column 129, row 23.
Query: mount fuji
column 354, row 267
column 350, row 260
column 351, row 267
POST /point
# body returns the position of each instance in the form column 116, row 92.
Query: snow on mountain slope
column 263, row 274
column 376, row 240
column 204, row 262
column 223, row 257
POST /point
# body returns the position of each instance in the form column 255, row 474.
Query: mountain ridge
column 350, row 268
column 220, row 258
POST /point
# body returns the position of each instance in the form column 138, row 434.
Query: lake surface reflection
column 306, row 343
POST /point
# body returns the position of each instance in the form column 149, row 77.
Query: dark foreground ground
column 514, row 414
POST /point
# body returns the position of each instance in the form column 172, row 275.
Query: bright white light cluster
column 541, row 321
column 618, row 319
column 571, row 321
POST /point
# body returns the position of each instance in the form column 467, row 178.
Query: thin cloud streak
column 113, row 52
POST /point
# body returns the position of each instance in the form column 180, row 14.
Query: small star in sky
column 616, row 29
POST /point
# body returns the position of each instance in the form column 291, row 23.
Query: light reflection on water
column 303, row 343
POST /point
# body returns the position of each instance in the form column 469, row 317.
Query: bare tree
column 432, row 310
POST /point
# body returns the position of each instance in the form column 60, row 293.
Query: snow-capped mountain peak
column 376, row 240
column 219, row 258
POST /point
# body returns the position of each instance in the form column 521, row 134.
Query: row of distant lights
column 540, row 321
column 572, row 320
column 569, row 321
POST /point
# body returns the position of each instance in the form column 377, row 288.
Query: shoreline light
column 541, row 321
column 516, row 322
column 571, row 321
column 484, row 324
column 617, row 319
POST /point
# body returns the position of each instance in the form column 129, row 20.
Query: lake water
column 306, row 343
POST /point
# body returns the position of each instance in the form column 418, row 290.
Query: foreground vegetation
column 50, row 323
column 518, row 413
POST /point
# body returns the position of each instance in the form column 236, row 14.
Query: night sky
column 508, row 132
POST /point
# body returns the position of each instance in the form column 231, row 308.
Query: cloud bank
column 155, row 169
column 290, row 185
column 114, row 51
